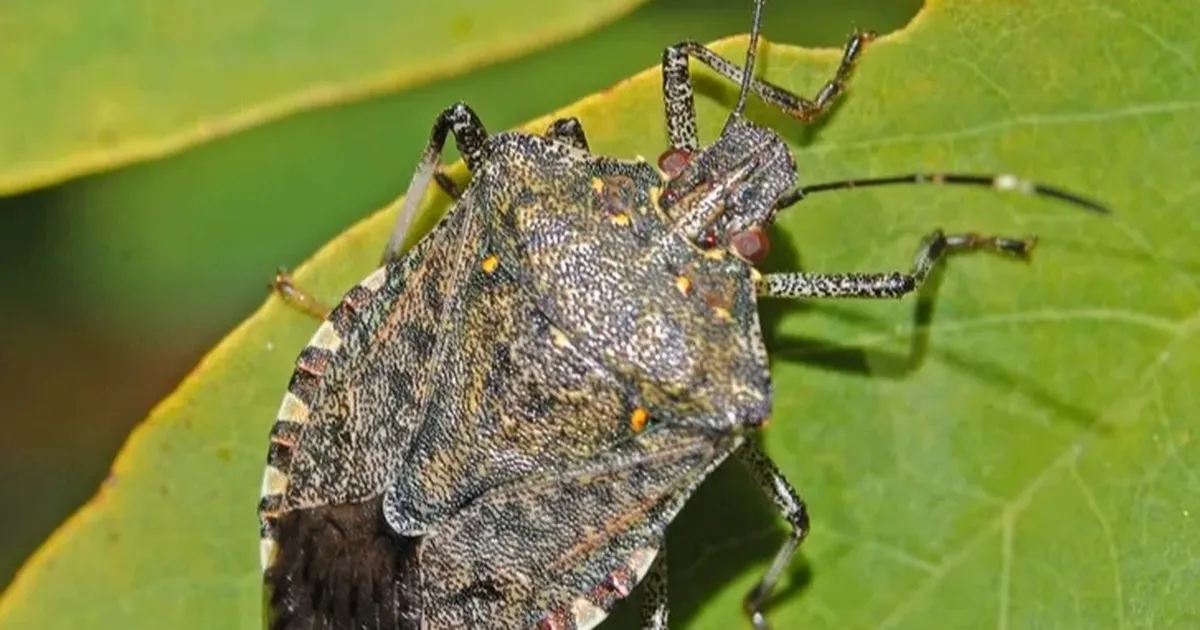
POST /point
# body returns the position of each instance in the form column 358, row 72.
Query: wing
column 353, row 404
column 341, row 567
column 563, row 549
column 515, row 394
column 544, row 347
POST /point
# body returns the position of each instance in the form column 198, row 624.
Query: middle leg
column 894, row 284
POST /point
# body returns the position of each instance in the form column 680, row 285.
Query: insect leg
column 296, row 297
column 565, row 130
column 893, row 284
column 568, row 131
column 792, row 507
column 469, row 136
column 655, row 609
column 680, row 101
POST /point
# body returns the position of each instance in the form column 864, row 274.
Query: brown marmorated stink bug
column 494, row 429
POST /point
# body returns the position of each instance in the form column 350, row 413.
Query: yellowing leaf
column 1029, row 461
column 91, row 86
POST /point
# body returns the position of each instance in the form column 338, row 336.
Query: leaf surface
column 1023, row 456
column 92, row 86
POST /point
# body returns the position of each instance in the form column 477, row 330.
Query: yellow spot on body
column 621, row 219
column 559, row 338
column 638, row 419
column 684, row 284
column 326, row 338
column 490, row 263
column 597, row 184
column 755, row 276
column 293, row 409
column 721, row 313
column 715, row 253
column 655, row 193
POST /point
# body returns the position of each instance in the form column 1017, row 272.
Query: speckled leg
column 568, row 131
column 680, row 101
column 792, row 507
column 893, row 284
column 469, row 136
column 296, row 297
column 654, row 598
column 565, row 130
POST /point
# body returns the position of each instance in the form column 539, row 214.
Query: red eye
column 751, row 244
column 709, row 240
column 672, row 161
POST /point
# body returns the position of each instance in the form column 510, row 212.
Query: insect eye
column 751, row 244
column 673, row 161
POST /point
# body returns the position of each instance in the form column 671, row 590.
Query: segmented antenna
column 996, row 182
column 748, row 67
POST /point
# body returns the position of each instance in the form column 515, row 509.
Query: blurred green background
column 115, row 284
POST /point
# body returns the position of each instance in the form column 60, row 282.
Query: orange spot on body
column 684, row 284
column 490, row 263
column 638, row 419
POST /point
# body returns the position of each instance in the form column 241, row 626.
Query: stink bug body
column 494, row 429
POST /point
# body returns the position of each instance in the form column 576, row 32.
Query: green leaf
column 1028, row 461
column 159, row 77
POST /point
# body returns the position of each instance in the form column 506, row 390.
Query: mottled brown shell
column 456, row 444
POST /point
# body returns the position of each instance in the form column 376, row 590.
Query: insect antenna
column 748, row 67
column 995, row 182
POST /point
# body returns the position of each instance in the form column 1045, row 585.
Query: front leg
column 680, row 101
